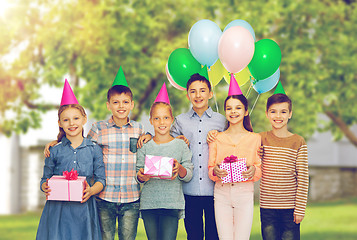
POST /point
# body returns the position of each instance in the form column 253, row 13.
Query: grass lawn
column 323, row 221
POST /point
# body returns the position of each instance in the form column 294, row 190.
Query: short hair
column 197, row 77
column 156, row 104
column 279, row 98
column 119, row 89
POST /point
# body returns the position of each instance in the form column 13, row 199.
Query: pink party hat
column 163, row 96
column 234, row 88
column 68, row 95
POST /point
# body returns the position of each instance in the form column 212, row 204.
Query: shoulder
column 136, row 125
column 255, row 135
column 56, row 147
column 100, row 124
column 299, row 139
column 179, row 143
column 263, row 134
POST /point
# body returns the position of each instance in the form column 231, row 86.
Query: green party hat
column 279, row 89
column 204, row 72
column 120, row 78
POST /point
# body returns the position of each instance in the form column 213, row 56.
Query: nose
column 198, row 94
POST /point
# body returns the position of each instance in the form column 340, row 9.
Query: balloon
column 216, row 73
column 242, row 23
column 266, row 59
column 172, row 81
column 236, row 48
column 181, row 65
column 203, row 41
column 267, row 84
column 242, row 77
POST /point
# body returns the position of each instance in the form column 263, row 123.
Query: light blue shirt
column 195, row 129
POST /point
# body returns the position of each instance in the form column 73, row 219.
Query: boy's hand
column 219, row 172
column 45, row 188
column 46, row 152
column 182, row 137
column 298, row 219
column 261, row 151
column 143, row 139
column 212, row 136
column 142, row 177
column 87, row 192
column 249, row 173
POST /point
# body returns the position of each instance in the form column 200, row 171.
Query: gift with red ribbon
column 68, row 187
column 234, row 167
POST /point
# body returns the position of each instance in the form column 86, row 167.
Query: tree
column 89, row 40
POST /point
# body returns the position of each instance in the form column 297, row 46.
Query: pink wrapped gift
column 158, row 167
column 68, row 187
column 234, row 167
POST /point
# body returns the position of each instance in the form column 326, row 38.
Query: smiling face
column 279, row 115
column 161, row 118
column 120, row 105
column 198, row 93
column 235, row 111
column 71, row 121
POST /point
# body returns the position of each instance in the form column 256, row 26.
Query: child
column 233, row 202
column 162, row 202
column 285, row 180
column 194, row 125
column 72, row 220
column 118, row 136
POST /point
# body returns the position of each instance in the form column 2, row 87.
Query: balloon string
column 215, row 100
column 251, row 111
column 248, row 92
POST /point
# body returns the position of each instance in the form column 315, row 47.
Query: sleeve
column 212, row 161
column 257, row 161
column 302, row 180
column 48, row 168
column 93, row 133
column 186, row 162
column 140, row 161
column 98, row 166
column 176, row 129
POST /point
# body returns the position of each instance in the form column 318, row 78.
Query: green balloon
column 182, row 65
column 266, row 59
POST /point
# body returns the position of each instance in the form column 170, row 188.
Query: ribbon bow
column 231, row 159
column 71, row 175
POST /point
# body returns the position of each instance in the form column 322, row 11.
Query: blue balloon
column 267, row 84
column 241, row 23
column 203, row 41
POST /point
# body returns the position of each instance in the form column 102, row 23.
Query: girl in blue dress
column 72, row 220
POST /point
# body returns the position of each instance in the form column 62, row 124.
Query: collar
column 86, row 142
column 208, row 112
column 111, row 123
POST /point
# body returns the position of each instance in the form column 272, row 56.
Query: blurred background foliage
column 43, row 40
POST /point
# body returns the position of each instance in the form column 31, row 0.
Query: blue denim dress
column 72, row 220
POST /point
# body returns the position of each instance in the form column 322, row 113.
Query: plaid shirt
column 119, row 161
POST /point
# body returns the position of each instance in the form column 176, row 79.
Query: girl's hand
column 298, row 219
column 45, row 188
column 182, row 137
column 143, row 139
column 175, row 169
column 212, row 136
column 87, row 192
column 249, row 173
column 141, row 176
column 219, row 172
column 46, row 151
column 261, row 151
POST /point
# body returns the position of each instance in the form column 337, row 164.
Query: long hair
column 246, row 120
column 62, row 133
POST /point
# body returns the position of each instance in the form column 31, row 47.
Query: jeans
column 160, row 224
column 127, row 214
column 195, row 206
column 279, row 224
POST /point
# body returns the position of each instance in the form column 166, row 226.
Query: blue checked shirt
column 195, row 129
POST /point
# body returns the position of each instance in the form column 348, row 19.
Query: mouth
column 278, row 121
column 72, row 129
column 162, row 127
column 198, row 100
column 234, row 116
column 121, row 111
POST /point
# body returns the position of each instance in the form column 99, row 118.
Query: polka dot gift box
column 234, row 167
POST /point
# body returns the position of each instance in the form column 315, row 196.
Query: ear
column 246, row 113
column 188, row 97
column 210, row 95
column 85, row 120
column 108, row 106
column 290, row 114
column 266, row 114
column 132, row 105
column 151, row 121
column 59, row 124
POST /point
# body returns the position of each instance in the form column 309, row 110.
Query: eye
column 126, row 102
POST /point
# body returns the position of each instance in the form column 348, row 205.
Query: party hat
column 234, row 88
column 68, row 95
column 163, row 96
column 279, row 89
column 120, row 78
column 203, row 72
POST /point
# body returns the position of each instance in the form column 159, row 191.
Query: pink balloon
column 236, row 48
column 168, row 75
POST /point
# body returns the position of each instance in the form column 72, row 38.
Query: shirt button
column 74, row 161
column 200, row 120
column 200, row 155
column 200, row 166
column 199, row 142
column 200, row 178
column 199, row 130
column 75, row 152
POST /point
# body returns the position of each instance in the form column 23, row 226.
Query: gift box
column 67, row 187
column 234, row 167
column 158, row 167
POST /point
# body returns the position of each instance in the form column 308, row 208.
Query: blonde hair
column 155, row 104
column 62, row 133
